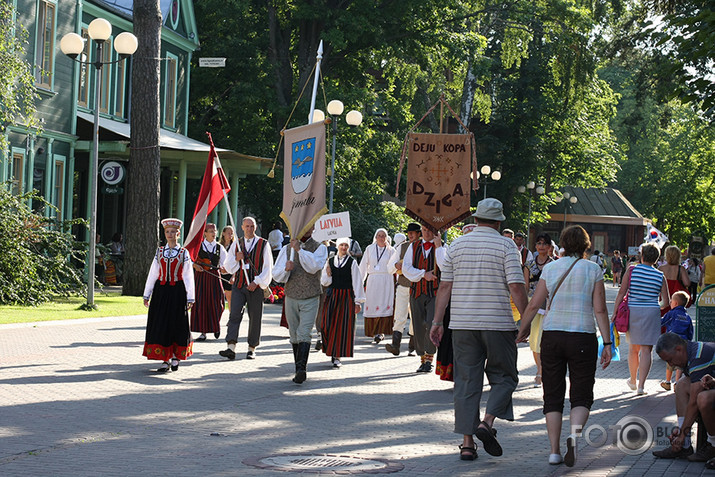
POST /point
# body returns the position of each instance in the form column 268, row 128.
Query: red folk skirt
column 206, row 312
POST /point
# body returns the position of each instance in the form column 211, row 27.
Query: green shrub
column 37, row 252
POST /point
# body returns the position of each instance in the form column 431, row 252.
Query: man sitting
column 695, row 393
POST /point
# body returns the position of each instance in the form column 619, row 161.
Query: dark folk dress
column 210, row 300
column 167, row 328
column 445, row 358
column 338, row 314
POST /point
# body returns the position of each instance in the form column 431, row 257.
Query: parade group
column 468, row 304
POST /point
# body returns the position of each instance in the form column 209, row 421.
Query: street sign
column 705, row 315
column 212, row 62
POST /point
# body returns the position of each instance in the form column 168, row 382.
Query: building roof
column 597, row 205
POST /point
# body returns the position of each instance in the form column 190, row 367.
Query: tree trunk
column 145, row 159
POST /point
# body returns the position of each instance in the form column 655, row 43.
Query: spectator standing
column 275, row 239
column 675, row 274
column 708, row 275
column 616, row 267
column 679, row 322
column 402, row 291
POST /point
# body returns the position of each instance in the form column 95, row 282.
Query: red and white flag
column 213, row 188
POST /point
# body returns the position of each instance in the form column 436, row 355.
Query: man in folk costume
column 302, row 294
column 209, row 306
column 170, row 286
column 250, row 258
column 402, row 292
column 421, row 265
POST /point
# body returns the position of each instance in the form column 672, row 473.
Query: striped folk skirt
column 167, row 326
column 206, row 312
column 338, row 323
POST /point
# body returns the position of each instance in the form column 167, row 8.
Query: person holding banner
column 380, row 291
column 421, row 265
column 170, row 285
column 343, row 298
column 250, row 258
column 209, row 306
column 301, row 275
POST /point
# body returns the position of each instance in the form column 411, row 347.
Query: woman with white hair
column 380, row 291
column 343, row 296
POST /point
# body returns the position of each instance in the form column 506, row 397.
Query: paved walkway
column 78, row 399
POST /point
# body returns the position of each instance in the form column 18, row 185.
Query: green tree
column 17, row 85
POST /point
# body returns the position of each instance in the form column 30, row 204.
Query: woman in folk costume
column 380, row 291
column 207, row 311
column 343, row 296
column 228, row 235
column 170, row 285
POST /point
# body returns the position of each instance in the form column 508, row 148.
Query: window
column 106, row 76
column 59, row 189
column 45, row 46
column 83, row 90
column 18, row 169
column 170, row 91
column 119, row 95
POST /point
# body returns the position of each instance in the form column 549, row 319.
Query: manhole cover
column 320, row 463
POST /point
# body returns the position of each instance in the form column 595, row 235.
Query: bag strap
column 558, row 285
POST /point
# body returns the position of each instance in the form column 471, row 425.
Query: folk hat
column 175, row 223
column 490, row 209
column 342, row 240
column 413, row 227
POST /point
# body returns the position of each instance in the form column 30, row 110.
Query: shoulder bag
column 623, row 313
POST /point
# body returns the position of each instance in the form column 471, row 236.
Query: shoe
column 555, row 459
column 425, row 367
column 251, row 354
column 710, row 464
column 217, row 334
column 394, row 347
column 228, row 353
column 467, row 453
column 164, row 367
column 318, row 345
column 489, row 440
column 703, row 454
column 411, row 346
column 378, row 338
column 202, row 337
column 641, row 392
column 570, row 457
column 301, row 363
column 336, row 363
column 670, row 453
column 537, row 381
column 631, row 384
column 174, row 364
column 665, row 385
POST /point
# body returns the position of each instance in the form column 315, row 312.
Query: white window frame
column 44, row 45
column 170, row 87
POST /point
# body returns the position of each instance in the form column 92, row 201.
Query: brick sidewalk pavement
column 79, row 399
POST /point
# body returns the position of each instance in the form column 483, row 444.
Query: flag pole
column 228, row 205
column 318, row 59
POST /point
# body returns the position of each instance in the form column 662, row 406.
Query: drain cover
column 320, row 463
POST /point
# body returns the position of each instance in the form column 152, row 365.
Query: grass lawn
column 111, row 304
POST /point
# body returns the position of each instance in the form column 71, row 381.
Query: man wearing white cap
column 481, row 270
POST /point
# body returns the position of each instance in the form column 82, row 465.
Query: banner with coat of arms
column 438, row 178
column 303, row 178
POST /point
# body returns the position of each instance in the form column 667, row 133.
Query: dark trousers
column 253, row 300
column 422, row 310
column 576, row 351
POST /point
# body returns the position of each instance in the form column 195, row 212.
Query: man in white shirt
column 524, row 252
column 251, row 260
column 298, row 266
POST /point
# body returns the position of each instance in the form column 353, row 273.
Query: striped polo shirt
column 701, row 360
column 645, row 286
column 481, row 265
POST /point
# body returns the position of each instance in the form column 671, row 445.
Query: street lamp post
column 538, row 190
column 352, row 118
column 569, row 200
column 485, row 170
column 72, row 45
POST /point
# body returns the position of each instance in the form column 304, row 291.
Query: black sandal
column 164, row 367
column 488, row 437
column 467, row 453
column 174, row 364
